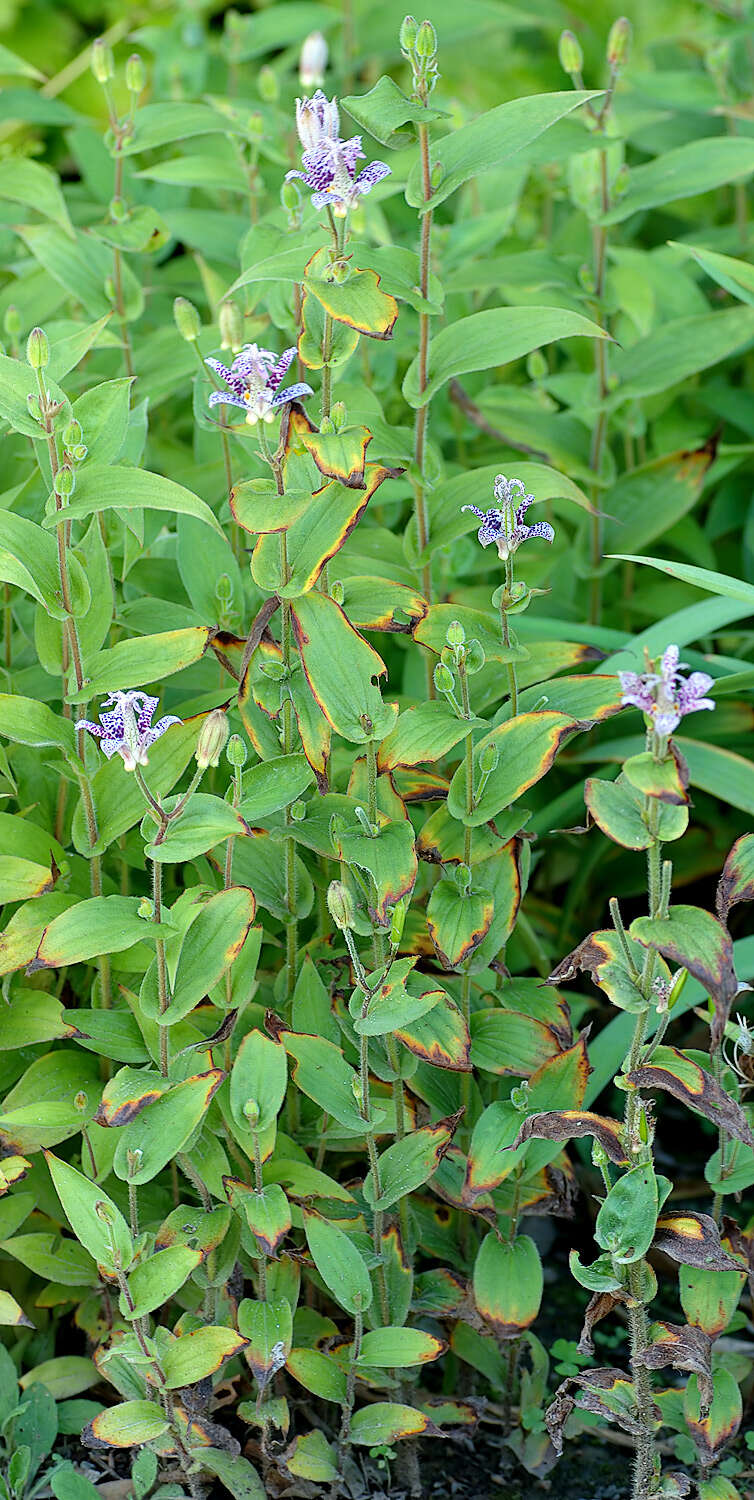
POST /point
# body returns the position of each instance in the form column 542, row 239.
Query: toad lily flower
column 330, row 163
column 127, row 729
column 664, row 696
column 505, row 525
column 253, row 381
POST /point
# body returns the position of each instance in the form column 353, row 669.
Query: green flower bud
column 235, row 752
column 426, row 40
column 488, row 759
column 134, row 1160
column 80, row 1102
column 230, row 319
column 268, row 86
column 437, row 174
column 586, row 279
column 621, row 181
column 187, row 319
column 336, row 829
column 443, row 678
column 78, row 452
column 252, row 1112
column 398, row 922
column 136, row 74
column 103, row 63
column 455, row 634
column 108, row 286
column 338, row 415
column 600, row 1157
column 340, row 272
column 65, row 482
column 12, row 321
column 536, row 365
column 290, row 197
column 619, row 42
column 118, row 210
column 104, row 1211
column 407, row 34
column 475, row 657
column 223, row 589
column 72, row 435
column 570, row 54
column 298, row 811
column 462, row 877
column 519, row 1096
column 145, row 909
column 337, row 591
column 327, row 425
column 340, row 905
column 213, row 737
column 37, row 349
column 275, row 670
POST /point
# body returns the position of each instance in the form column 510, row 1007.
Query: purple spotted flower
column 125, row 726
column 253, row 381
column 505, row 524
column 330, row 163
column 664, row 695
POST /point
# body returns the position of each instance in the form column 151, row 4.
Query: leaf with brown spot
column 714, row 1428
column 424, row 733
column 527, row 746
column 419, row 786
column 457, row 921
column 341, row 669
column 259, row 509
column 267, row 1211
column 192, row 1357
column 693, row 1239
column 568, row 1124
column 684, row 1348
column 357, row 302
column 508, row 1284
column 667, row 779
column 13, row 1169
column 696, row 941
column 382, row 604
column 441, row 1037
column 506, row 1042
column 677, row 1074
column 339, row 455
column 561, row 1081
column 599, row 1306
column 737, row 879
column 601, row 956
column 608, row 1393
column 390, row 859
column 127, row 1425
column 127, row 1093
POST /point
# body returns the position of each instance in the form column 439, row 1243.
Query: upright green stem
column 599, row 432
column 259, row 1187
column 510, row 666
column 422, row 414
column 347, row 1408
column 118, row 262
column 467, row 837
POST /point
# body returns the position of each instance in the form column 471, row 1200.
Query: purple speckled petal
column 370, row 175
column 540, row 528
column 148, row 707
column 320, row 167
column 697, row 684
column 326, row 199
column 522, row 509
column 281, row 368
column 666, row 722
column 90, row 727
column 303, row 176
column 158, row 729
column 491, row 527
column 226, row 398
column 111, row 747
column 292, row 393
column 475, row 511
column 351, row 152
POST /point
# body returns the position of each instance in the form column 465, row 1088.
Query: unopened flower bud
column 426, row 40
column 462, row 877
column 488, row 759
column 118, row 210
column 136, row 74
column 145, row 909
column 338, row 415
column 235, row 751
column 213, row 737
column 230, row 319
column 621, row 181
column 437, row 174
column 340, row 905
column 104, row 1212
column 443, row 678
column 397, row 922
column 519, row 1096
column 586, row 279
column 78, row 452
column 618, row 43
column 37, row 349
column 536, row 365
column 134, row 1160
column 223, row 589
column 297, row 811
column 337, row 591
column 337, row 828
column 268, row 86
column 255, row 126
column 340, row 272
column 103, row 63
column 290, row 197
column 72, row 435
column 12, row 321
column 108, row 287
column 407, row 35
column 455, row 634
column 313, row 61
column 327, row 425
column 65, row 482
column 187, row 319
column 252, row 1112
column 570, row 54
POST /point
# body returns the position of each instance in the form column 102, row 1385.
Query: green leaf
column 265, row 1325
column 195, row 1356
column 67, row 1375
column 212, row 944
column 526, row 746
column 101, row 924
column 339, row 1263
column 314, row 537
column 737, row 879
column 267, row 1212
column 508, row 1284
column 28, row 722
column 29, row 183
column 155, row 1280
column 618, row 811
column 714, row 1429
column 647, row 501
column 710, row 1298
column 626, row 1221
column 102, row 487
column 129, row 1424
column 259, row 1074
column 96, row 1222
column 701, row 578
column 423, row 733
column 494, row 337
column 696, row 940
column 160, row 124
column 390, row 859
column 140, row 661
column 274, row 784
column 680, row 348
column 358, row 302
column 408, row 1163
column 386, row 1422
column 21, row 879
column 322, row 1073
column 736, row 276
column 458, row 921
column 385, row 109
column 164, row 1127
column 697, row 167
column 234, row 1472
column 205, row 823
column 399, row 1348
column 340, row 668
column 493, row 138
column 318, row 1373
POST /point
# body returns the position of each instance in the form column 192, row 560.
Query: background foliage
column 264, row 1217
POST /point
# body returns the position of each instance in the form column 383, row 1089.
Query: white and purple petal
column 292, row 393
column 281, row 368
column 369, row 176
column 226, row 398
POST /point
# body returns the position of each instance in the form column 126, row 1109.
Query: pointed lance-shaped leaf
column 677, row 1074
column 700, row 943
column 567, row 1124
column 693, row 1239
column 737, row 879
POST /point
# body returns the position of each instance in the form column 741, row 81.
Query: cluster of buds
column 457, row 656
column 419, row 47
column 618, row 44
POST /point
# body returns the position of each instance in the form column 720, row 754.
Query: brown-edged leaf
column 677, row 1074
column 700, row 943
column 737, row 880
column 566, row 1124
column 693, row 1239
column 684, row 1348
